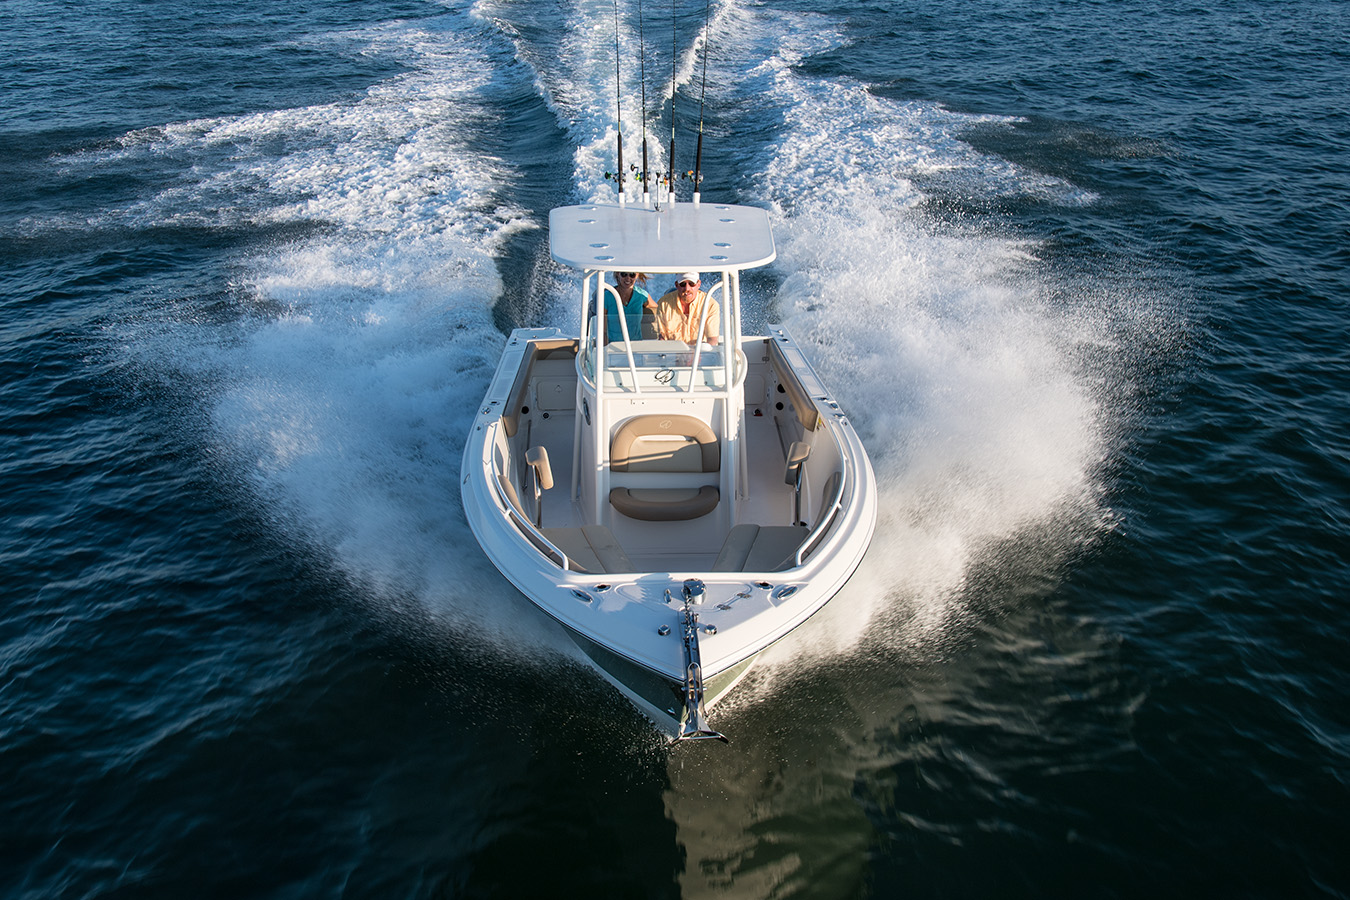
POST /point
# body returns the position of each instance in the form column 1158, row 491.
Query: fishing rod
column 618, row 107
column 642, row 57
column 703, row 93
column 671, row 175
column 674, row 54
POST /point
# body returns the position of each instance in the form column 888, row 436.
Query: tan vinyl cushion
column 653, row 445
column 760, row 548
column 658, row 443
column 736, row 548
column 665, row 504
column 590, row 548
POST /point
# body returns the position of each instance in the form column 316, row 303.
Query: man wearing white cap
column 679, row 311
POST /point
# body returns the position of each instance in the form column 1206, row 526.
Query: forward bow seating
column 672, row 454
column 590, row 548
column 760, row 548
column 773, row 548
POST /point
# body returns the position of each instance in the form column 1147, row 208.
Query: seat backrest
column 664, row 443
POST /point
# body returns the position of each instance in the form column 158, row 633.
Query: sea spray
column 343, row 390
column 343, row 382
column 935, row 336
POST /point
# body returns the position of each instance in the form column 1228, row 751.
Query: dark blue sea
column 1078, row 271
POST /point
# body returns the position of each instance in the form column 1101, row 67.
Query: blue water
column 1078, row 271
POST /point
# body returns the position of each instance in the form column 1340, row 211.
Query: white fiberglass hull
column 628, row 617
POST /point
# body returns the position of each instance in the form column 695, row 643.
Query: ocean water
column 1078, row 272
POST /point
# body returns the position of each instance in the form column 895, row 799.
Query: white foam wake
column 940, row 341
column 346, row 397
column 342, row 387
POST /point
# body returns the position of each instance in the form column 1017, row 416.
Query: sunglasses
column 627, row 274
column 686, row 283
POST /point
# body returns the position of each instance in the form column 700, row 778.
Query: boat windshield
column 662, row 355
column 656, row 365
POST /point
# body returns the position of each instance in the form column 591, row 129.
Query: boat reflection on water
column 877, row 771
column 775, row 814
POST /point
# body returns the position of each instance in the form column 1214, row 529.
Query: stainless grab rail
column 826, row 520
column 523, row 522
column 602, row 331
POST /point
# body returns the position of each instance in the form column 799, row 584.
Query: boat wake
column 941, row 340
column 341, row 384
column 341, row 378
column 948, row 342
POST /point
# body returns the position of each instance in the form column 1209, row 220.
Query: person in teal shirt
column 636, row 302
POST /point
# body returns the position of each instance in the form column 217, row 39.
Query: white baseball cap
column 688, row 276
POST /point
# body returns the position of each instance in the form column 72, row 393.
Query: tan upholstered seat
column 665, row 444
column 590, row 548
column 760, row 548
column 664, row 504
column 658, row 443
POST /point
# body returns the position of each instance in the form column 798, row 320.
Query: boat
column 677, row 507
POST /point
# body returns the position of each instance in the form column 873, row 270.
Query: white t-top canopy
column 679, row 237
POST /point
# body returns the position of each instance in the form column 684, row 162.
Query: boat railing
column 655, row 365
column 719, row 288
column 525, row 526
column 826, row 517
column 602, row 331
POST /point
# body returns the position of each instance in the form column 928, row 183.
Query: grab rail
column 602, row 332
column 826, row 519
column 523, row 523
column 698, row 335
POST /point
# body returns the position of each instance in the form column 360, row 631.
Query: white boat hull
column 628, row 619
